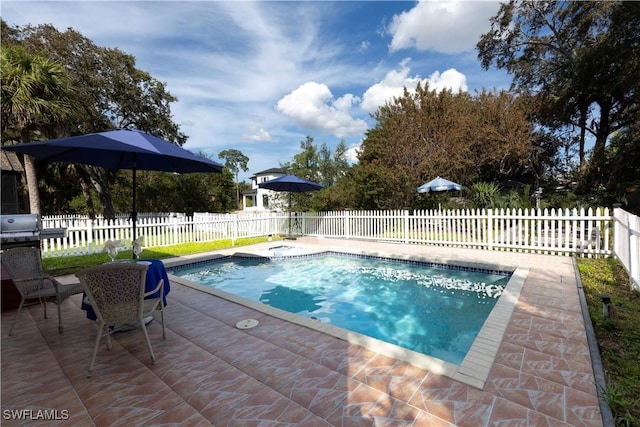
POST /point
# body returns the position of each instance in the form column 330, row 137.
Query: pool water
column 435, row 311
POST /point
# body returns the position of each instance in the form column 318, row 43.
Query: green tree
column 458, row 136
column 579, row 58
column 623, row 160
column 36, row 98
column 322, row 166
column 305, row 164
column 189, row 193
column 235, row 161
column 111, row 90
column 332, row 165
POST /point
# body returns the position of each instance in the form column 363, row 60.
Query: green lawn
column 618, row 339
column 71, row 264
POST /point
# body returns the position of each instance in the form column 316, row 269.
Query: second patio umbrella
column 290, row 184
column 439, row 184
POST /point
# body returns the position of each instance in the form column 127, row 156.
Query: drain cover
column 247, row 324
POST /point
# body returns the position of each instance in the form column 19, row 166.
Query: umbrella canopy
column 119, row 149
column 291, row 184
column 439, row 184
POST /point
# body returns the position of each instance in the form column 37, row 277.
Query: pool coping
column 475, row 367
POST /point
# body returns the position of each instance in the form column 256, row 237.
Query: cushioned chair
column 24, row 265
column 117, row 293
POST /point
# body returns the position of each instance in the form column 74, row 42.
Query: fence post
column 347, row 231
column 234, row 229
column 89, row 230
column 406, row 225
column 633, row 249
column 490, row 229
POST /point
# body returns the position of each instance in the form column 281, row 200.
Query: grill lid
column 19, row 223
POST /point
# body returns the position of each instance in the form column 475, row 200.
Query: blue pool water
column 435, row 311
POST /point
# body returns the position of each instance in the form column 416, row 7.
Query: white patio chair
column 117, row 293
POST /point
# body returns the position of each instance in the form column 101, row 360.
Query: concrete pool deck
column 284, row 373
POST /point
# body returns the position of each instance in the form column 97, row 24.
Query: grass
column 618, row 338
column 71, row 264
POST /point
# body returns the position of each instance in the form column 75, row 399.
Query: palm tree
column 35, row 97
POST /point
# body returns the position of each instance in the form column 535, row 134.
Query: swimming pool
column 423, row 307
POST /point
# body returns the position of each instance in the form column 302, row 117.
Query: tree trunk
column 237, row 193
column 32, row 184
column 100, row 183
column 91, row 209
column 596, row 173
column 31, row 177
column 583, row 129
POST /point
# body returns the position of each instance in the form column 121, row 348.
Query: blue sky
column 261, row 76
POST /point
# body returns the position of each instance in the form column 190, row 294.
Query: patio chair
column 117, row 293
column 24, row 265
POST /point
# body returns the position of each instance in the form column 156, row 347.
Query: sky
column 261, row 76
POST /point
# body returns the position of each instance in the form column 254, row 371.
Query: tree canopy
column 465, row 138
column 574, row 95
column 36, row 97
column 322, row 166
column 235, row 160
column 110, row 92
column 580, row 59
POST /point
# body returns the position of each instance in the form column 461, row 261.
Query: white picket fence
column 86, row 236
column 562, row 232
column 591, row 233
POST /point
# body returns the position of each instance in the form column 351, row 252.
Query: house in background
column 258, row 199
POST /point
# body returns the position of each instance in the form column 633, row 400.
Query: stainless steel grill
column 25, row 230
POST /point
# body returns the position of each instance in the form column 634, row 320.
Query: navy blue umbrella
column 119, row 149
column 291, row 184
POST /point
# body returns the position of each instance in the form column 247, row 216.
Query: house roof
column 9, row 162
column 271, row 171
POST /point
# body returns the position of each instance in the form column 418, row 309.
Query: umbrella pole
column 134, row 213
column 290, row 237
column 289, row 213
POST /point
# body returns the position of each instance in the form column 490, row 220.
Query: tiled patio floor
column 282, row 374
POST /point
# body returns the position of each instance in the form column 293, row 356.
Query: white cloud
column 352, row 154
column 449, row 79
column 258, row 135
column 312, row 106
column 442, row 26
column 395, row 81
column 229, row 63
